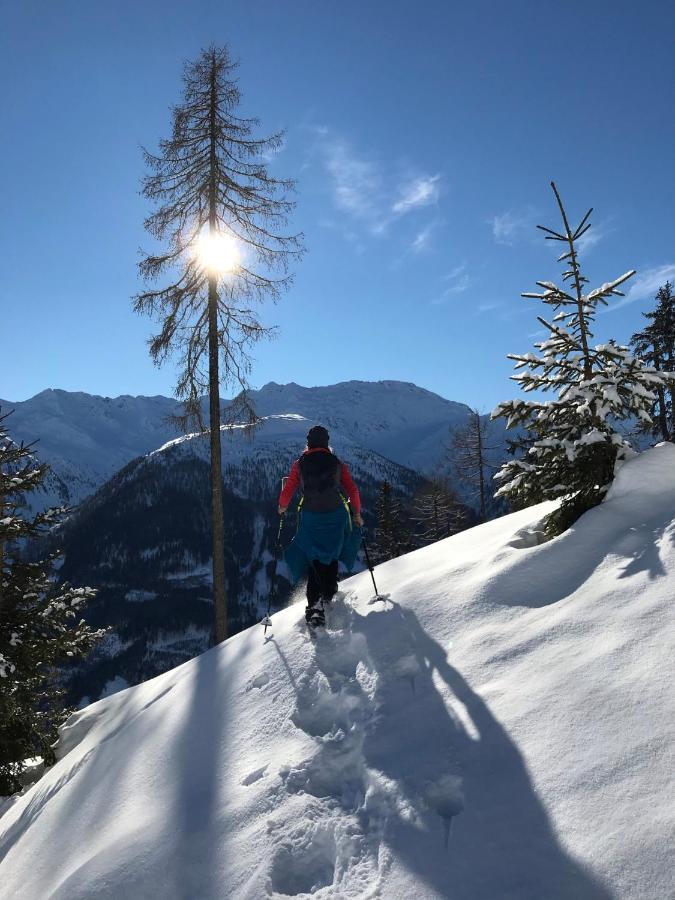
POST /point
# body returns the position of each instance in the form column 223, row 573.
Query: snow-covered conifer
column 40, row 623
column 655, row 345
column 571, row 448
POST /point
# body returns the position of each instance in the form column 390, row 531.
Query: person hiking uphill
column 329, row 528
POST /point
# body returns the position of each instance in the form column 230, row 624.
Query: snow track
column 336, row 847
column 334, row 842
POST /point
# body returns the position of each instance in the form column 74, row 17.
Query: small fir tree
column 391, row 539
column 571, row 450
column 655, row 345
column 471, row 453
column 40, row 624
column 438, row 513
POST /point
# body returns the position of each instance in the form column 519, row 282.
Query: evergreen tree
column 655, row 345
column 472, row 454
column 438, row 513
column 391, row 539
column 220, row 214
column 39, row 622
column 571, row 450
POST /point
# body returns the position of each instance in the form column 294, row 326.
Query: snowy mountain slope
column 515, row 701
column 144, row 540
column 86, row 439
column 400, row 420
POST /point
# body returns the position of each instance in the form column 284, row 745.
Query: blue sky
column 423, row 137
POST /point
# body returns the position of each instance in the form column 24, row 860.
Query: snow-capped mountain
column 502, row 728
column 400, row 420
column 144, row 540
column 86, row 439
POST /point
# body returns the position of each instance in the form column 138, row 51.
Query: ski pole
column 277, row 549
column 370, row 566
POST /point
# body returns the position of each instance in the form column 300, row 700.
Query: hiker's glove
column 282, row 510
column 358, row 521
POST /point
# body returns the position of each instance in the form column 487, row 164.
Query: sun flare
column 217, row 252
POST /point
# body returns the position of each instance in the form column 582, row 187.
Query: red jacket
column 346, row 482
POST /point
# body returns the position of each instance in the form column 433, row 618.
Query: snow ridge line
column 337, row 844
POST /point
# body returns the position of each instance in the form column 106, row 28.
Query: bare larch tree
column 211, row 182
column 472, row 456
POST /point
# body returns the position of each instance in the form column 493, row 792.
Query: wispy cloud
column 538, row 335
column 419, row 192
column 645, row 285
column 593, row 236
column 458, row 281
column 510, row 226
column 356, row 181
column 422, row 240
column 368, row 191
column 455, row 273
column 483, row 308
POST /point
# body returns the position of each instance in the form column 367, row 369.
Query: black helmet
column 317, row 437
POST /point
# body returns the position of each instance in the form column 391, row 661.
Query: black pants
column 321, row 581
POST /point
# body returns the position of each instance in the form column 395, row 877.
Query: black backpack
column 320, row 473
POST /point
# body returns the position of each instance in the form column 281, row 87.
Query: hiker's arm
column 350, row 488
column 291, row 486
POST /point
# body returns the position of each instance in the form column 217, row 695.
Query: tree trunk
column 481, row 474
column 661, row 401
column 663, row 418
column 671, row 436
column 574, row 266
column 2, row 556
column 217, row 514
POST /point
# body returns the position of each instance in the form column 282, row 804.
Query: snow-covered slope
column 85, row 438
column 513, row 701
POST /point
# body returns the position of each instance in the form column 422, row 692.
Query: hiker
column 329, row 527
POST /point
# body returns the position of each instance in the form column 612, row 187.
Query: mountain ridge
column 86, row 438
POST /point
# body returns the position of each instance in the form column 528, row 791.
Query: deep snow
column 513, row 700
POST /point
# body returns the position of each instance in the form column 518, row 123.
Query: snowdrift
column 501, row 728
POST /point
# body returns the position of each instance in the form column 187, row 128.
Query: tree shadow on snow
column 200, row 753
column 502, row 843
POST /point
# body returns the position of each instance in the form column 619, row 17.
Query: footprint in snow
column 259, row 681
column 305, row 862
column 379, row 598
column 254, row 776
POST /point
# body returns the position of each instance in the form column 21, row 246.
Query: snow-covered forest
column 351, row 639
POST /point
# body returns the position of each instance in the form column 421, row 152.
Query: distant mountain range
column 86, row 438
